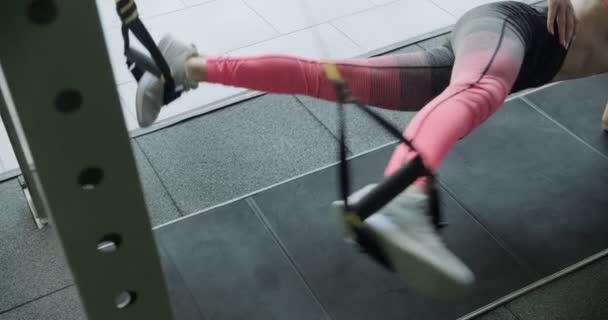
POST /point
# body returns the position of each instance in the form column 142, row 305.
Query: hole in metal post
column 42, row 11
column 90, row 178
column 109, row 243
column 68, row 101
column 125, row 299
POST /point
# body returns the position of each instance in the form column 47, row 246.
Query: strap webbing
column 127, row 10
column 391, row 186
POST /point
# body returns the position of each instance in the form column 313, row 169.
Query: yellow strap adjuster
column 132, row 17
column 353, row 219
column 331, row 71
column 125, row 9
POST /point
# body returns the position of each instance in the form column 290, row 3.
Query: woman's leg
column 403, row 82
column 400, row 82
column 489, row 55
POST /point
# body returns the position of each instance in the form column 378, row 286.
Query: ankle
column 196, row 68
column 420, row 183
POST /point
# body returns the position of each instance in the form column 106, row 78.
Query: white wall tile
column 306, row 43
column 196, row 2
column 397, row 21
column 289, row 15
column 217, row 26
column 146, row 8
column 459, row 7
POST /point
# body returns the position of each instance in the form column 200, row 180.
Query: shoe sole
column 408, row 261
column 139, row 97
column 138, row 105
column 411, row 267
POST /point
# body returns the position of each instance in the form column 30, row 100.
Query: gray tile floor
column 349, row 285
column 31, row 260
column 238, row 150
column 63, row 304
column 582, row 295
column 213, row 152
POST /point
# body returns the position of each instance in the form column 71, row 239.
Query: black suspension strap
column 137, row 62
column 392, row 185
column 354, row 213
column 386, row 190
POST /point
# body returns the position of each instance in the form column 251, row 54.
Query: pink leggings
column 454, row 88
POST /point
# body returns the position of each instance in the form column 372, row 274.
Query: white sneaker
column 404, row 231
column 149, row 96
column 148, row 99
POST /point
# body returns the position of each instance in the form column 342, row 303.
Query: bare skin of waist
column 588, row 52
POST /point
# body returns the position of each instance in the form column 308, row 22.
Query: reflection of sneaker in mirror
column 404, row 231
column 149, row 96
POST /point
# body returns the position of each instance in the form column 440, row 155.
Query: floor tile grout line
column 511, row 312
column 336, row 138
column 497, row 239
column 536, row 285
column 318, row 24
column 274, row 185
column 529, row 2
column 200, row 4
column 278, row 36
column 442, row 9
column 199, row 309
column 374, row 6
column 538, row 109
column 34, row 300
column 113, row 26
column 181, row 212
column 260, row 215
column 385, row 3
column 340, row 31
column 261, row 17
